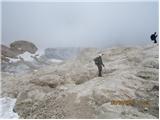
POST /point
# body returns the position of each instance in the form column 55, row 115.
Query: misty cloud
column 85, row 24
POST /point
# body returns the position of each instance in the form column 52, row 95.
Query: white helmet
column 101, row 54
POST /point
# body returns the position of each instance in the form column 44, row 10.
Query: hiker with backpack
column 153, row 37
column 98, row 61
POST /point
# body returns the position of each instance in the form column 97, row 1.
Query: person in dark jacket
column 153, row 37
column 98, row 61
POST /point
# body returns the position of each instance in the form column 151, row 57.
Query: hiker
column 98, row 61
column 153, row 37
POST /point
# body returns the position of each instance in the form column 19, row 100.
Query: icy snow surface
column 6, row 108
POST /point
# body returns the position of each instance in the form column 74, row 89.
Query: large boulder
column 22, row 45
column 50, row 80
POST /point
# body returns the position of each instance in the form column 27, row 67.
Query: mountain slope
column 72, row 89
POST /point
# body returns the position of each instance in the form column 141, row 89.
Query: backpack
column 152, row 37
column 96, row 60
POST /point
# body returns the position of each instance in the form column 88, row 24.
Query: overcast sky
column 79, row 24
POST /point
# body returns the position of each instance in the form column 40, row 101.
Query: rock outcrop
column 11, row 57
column 16, row 48
column 23, row 46
column 7, row 52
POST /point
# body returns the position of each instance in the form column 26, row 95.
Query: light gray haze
column 79, row 24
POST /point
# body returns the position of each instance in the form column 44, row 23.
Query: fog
column 79, row 24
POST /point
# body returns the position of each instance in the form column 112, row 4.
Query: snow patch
column 56, row 60
column 26, row 56
column 13, row 60
column 6, row 108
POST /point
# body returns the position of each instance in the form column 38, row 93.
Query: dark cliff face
column 61, row 53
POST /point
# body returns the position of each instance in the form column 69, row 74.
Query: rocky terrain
column 16, row 48
column 22, row 57
column 71, row 89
